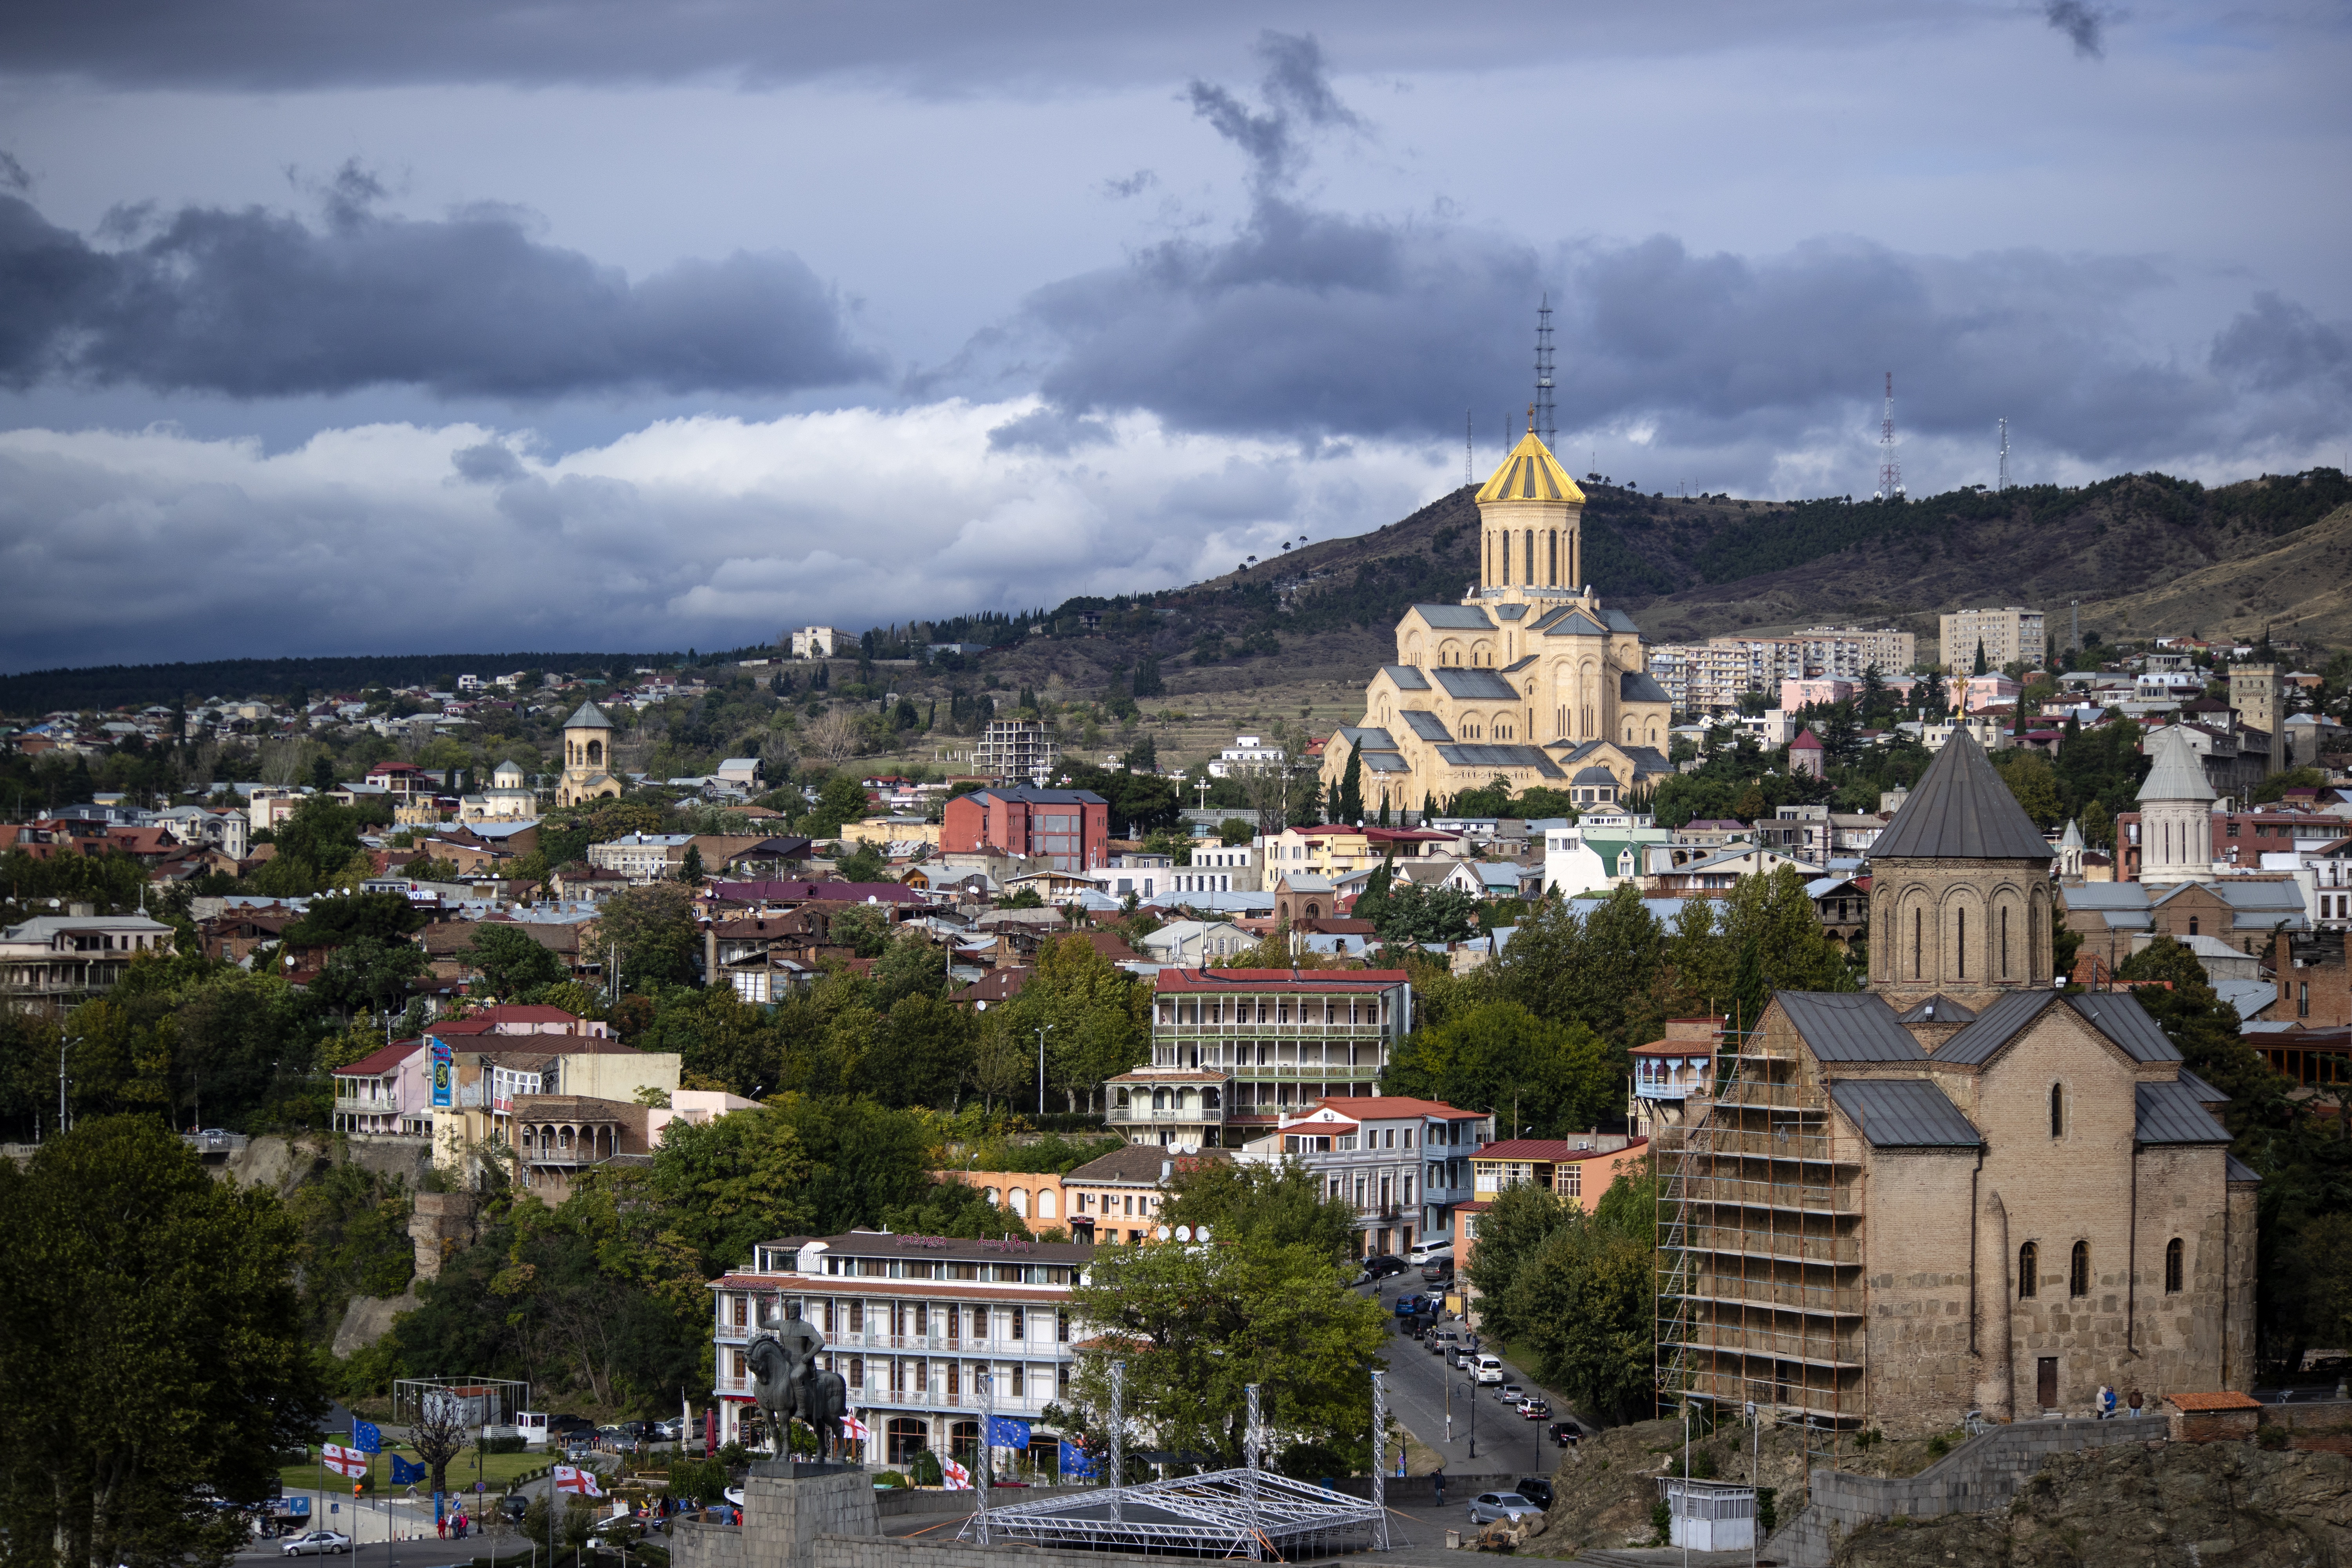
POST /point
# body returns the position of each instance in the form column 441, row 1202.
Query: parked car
column 316, row 1544
column 514, row 1505
column 1490, row 1369
column 1488, row 1507
column 559, row 1424
column 1428, row 1250
column 1381, row 1266
column 1437, row 1269
column 1534, row 1409
column 1465, row 1359
column 1510, row 1392
column 1565, row 1433
column 1442, row 1341
column 1535, row 1489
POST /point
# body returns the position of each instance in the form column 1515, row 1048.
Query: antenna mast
column 1890, row 471
column 1467, row 449
column 1544, row 424
column 2003, row 483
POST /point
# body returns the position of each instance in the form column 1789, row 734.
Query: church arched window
column 2057, row 1111
column 2028, row 1271
column 2078, row 1272
column 2173, row 1269
column 2192, row 925
column 2004, row 942
column 1960, row 946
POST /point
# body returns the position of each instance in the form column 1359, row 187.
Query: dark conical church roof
column 1961, row 811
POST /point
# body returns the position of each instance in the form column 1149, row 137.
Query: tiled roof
column 1904, row 1113
column 1848, row 1026
column 1961, row 810
column 1140, row 1163
column 1394, row 1107
column 382, row 1060
column 1558, row 1150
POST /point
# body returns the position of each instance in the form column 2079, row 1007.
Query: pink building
column 383, row 1092
column 1796, row 694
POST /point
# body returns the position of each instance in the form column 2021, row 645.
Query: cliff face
column 2151, row 1505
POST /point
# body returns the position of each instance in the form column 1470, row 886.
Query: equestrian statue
column 786, row 1382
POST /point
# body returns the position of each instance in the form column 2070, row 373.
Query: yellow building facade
column 1528, row 679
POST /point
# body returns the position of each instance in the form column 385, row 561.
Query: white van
column 1423, row 1252
column 1490, row 1369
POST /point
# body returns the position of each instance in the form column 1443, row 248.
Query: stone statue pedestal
column 784, row 1513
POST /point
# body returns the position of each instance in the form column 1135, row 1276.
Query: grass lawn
column 497, row 1469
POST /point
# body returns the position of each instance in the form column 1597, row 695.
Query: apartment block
column 2007, row 636
column 1892, row 650
column 1014, row 752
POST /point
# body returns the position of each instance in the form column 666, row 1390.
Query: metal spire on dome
column 1539, row 418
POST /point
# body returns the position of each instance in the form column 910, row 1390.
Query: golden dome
column 1531, row 473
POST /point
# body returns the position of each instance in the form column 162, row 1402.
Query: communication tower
column 2003, row 483
column 1544, row 424
column 1469, row 450
column 1890, row 471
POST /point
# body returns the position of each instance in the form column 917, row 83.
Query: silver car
column 316, row 1544
column 1488, row 1507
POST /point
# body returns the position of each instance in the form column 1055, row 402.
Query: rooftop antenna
column 2003, row 483
column 1890, row 471
column 1543, row 423
column 1467, row 449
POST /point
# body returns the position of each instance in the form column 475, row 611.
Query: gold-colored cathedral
column 1528, row 679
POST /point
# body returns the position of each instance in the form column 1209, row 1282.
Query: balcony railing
column 1229, row 1026
column 850, row 1341
column 1205, row 1113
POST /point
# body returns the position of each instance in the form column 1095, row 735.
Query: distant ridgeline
column 119, row 685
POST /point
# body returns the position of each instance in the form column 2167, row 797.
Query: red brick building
column 1071, row 826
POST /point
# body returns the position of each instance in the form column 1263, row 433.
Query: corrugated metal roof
column 2205, row 1092
column 2106, row 896
column 1407, row 676
column 1840, row 1026
column 1639, row 686
column 1453, row 618
column 1477, row 756
column 2239, row 1170
column 1904, row 1113
column 1480, row 684
column 1996, row 1026
column 2169, row 1113
column 2119, row 1016
column 1937, row 1009
column 1425, row 724
column 1960, row 811
column 2248, row 996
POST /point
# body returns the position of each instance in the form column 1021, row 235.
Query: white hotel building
column 910, row 1322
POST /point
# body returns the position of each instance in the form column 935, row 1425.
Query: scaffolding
column 1243, row 1512
column 1760, row 1299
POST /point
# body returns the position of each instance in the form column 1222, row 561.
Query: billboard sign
column 444, row 1073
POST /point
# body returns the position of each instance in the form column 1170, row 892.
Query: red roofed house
column 1805, row 753
column 401, row 778
column 1582, row 1168
column 383, row 1092
column 1403, row 1163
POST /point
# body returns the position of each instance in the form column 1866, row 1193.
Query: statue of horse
column 785, row 1385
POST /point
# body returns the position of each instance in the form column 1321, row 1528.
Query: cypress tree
column 1350, row 804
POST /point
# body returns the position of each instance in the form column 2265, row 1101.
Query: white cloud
column 707, row 531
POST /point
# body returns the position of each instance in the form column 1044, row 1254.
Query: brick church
column 1959, row 1189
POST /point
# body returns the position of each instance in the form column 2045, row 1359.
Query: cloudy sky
column 630, row 323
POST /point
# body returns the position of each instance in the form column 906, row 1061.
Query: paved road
column 1422, row 1388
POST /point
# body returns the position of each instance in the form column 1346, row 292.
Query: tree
column 1586, row 1302
column 2031, row 779
column 1588, row 962
column 863, row 864
column 1282, row 1205
column 654, row 929
column 1194, row 1324
column 509, row 959
column 129, row 1270
column 1098, row 1013
column 322, row 772
column 438, row 1433
column 365, row 974
column 2097, row 828
column 1540, row 1078
column 1981, row 667
column 1348, row 806
column 832, row 735
column 689, row 866
column 1417, row 913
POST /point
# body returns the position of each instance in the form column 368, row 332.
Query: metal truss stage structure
column 1225, row 1513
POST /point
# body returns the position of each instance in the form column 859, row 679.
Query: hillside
column 1297, row 636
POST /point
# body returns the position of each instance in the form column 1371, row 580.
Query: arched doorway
column 907, row 1436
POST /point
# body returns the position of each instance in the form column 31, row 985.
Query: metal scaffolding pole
column 1379, row 1460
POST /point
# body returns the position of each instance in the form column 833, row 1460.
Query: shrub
column 1767, row 1518
column 1869, row 1438
column 1662, row 1521
column 503, row 1445
column 2271, row 1437
column 1938, row 1446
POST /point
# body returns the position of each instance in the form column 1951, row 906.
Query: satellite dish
column 1202, row 1234
column 1183, row 1233
column 1162, row 1233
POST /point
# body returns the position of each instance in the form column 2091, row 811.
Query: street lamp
column 1041, row 1067
column 65, row 1043
column 1470, row 1397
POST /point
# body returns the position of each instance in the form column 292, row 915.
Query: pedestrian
column 2135, row 1403
column 2107, row 1411
column 1438, row 1480
column 442, row 1525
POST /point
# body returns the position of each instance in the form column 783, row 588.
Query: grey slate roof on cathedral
column 2119, row 1016
column 1425, row 724
column 1938, row 1009
column 1904, row 1113
column 1455, row 617
column 1619, row 621
column 1960, row 811
column 1480, row 685
column 1849, row 1026
column 1407, row 677
column 1595, row 775
column 1640, row 686
column 1509, row 612
column 1386, row 763
column 1575, row 624
column 2237, row 1170
column 2169, row 1113
column 589, row 717
column 1477, row 756
column 1367, row 738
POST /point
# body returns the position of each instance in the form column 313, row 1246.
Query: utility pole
column 65, row 1043
column 2001, row 480
column 1041, row 1067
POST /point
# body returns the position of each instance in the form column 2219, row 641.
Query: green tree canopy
column 1280, row 1204
column 1539, row 1078
column 654, row 929
column 509, row 959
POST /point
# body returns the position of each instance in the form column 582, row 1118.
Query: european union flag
column 367, row 1437
column 1076, row 1461
column 405, row 1474
column 1005, row 1432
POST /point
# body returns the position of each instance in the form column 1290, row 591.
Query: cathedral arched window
column 1531, row 556
column 2028, row 1271
column 2078, row 1272
column 1961, row 947
column 2057, row 1111
column 2004, row 942
column 1918, row 922
column 2173, row 1271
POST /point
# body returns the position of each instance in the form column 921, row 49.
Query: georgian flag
column 959, row 1480
column 573, row 1478
column 347, row 1462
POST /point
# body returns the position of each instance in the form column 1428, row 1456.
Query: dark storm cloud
column 253, row 303
column 2081, row 23
column 1298, row 101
